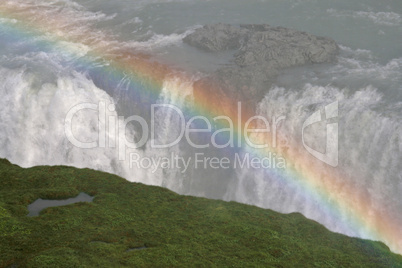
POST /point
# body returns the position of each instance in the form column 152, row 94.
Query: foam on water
column 381, row 18
column 33, row 120
column 157, row 41
column 39, row 85
column 370, row 144
column 353, row 69
column 33, row 126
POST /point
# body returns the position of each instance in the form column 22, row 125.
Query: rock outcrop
column 282, row 48
column 262, row 51
column 218, row 37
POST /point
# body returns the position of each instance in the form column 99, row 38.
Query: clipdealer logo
column 111, row 129
column 258, row 132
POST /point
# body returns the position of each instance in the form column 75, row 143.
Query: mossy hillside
column 176, row 230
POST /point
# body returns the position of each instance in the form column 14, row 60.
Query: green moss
column 169, row 229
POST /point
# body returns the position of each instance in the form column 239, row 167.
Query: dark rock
column 261, row 43
column 282, row 47
column 262, row 52
column 256, row 27
column 217, row 37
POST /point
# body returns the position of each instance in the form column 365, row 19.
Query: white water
column 369, row 149
column 38, row 86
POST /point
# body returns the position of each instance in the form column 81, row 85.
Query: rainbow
column 335, row 193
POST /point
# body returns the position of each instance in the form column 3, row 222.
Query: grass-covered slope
column 175, row 230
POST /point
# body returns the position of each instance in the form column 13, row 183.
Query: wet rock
column 256, row 27
column 262, row 52
column 282, row 48
column 261, row 43
column 217, row 37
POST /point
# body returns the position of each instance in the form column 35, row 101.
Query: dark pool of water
column 40, row 204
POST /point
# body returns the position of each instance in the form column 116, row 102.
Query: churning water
column 43, row 77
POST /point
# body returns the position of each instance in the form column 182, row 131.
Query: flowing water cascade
column 65, row 56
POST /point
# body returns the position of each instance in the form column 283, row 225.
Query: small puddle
column 139, row 248
column 40, row 204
